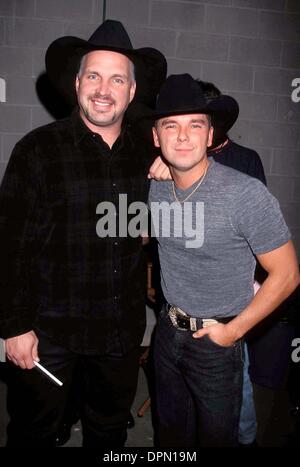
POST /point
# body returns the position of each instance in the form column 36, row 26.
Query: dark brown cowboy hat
column 181, row 94
column 64, row 55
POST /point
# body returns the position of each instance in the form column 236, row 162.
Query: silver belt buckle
column 173, row 312
column 193, row 324
column 208, row 322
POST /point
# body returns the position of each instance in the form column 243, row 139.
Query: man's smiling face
column 105, row 86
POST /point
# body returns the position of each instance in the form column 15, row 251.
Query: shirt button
column 114, row 185
column 116, row 243
column 115, row 270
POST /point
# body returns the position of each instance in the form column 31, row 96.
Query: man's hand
column 218, row 333
column 159, row 170
column 22, row 350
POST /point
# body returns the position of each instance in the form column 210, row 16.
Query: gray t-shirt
column 234, row 217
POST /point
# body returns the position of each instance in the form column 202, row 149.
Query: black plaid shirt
column 57, row 275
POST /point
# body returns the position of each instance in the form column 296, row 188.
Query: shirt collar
column 81, row 131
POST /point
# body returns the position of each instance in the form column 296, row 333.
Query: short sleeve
column 259, row 219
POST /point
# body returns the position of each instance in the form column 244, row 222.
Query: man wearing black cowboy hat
column 68, row 296
column 207, row 281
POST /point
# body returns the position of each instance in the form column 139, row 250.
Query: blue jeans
column 198, row 388
column 248, row 424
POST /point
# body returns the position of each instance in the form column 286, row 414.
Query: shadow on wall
column 53, row 102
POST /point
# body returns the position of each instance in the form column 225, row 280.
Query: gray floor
column 274, row 420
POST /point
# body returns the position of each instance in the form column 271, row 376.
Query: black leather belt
column 181, row 320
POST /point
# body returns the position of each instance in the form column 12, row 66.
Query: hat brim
column 63, row 58
column 224, row 111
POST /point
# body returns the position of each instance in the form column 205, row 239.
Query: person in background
column 67, row 296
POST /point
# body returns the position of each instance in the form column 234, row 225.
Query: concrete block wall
column 27, row 27
column 248, row 48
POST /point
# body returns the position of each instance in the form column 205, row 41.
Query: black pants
column 36, row 405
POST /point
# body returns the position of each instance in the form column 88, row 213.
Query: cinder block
column 82, row 30
column 203, row 46
column 17, row 8
column 40, row 117
column 255, row 51
column 64, row 9
column 272, row 134
column 25, row 8
column 291, row 214
column 281, row 187
column 132, row 11
column 9, row 142
column 273, row 25
column 38, row 62
column 194, row 68
column 15, row 61
column 228, row 76
column 296, row 194
column 2, row 31
column 7, row 8
column 24, row 32
column 263, row 4
column 256, row 106
column 286, row 162
column 240, row 132
column 14, row 118
column 287, row 110
column 235, row 21
column 214, row 2
column 291, row 54
column 273, row 81
column 177, row 15
column 161, row 39
column 22, row 90
column 98, row 11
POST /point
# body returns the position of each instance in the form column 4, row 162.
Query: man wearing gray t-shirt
column 210, row 222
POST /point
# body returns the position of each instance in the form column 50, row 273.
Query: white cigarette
column 41, row 367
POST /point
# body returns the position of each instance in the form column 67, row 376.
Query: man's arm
column 283, row 278
column 19, row 240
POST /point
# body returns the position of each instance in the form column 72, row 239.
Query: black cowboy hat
column 64, row 54
column 181, row 94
